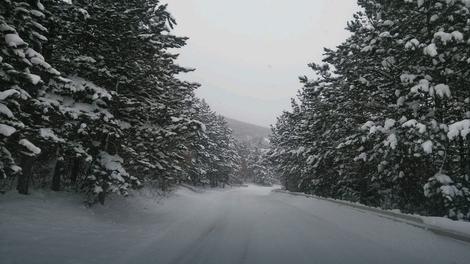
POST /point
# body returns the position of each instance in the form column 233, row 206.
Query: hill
column 247, row 132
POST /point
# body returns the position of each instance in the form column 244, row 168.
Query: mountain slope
column 247, row 132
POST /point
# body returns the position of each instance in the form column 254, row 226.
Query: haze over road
column 238, row 225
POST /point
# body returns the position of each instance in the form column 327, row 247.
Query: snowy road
column 241, row 225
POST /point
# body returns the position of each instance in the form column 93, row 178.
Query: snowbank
column 440, row 225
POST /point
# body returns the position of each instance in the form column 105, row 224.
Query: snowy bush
column 447, row 198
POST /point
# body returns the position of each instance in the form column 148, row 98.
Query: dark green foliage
column 116, row 116
column 386, row 121
column 213, row 153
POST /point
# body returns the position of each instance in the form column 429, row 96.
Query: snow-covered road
column 239, row 225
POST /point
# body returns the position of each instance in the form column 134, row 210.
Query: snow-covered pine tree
column 259, row 168
column 153, row 106
column 24, row 76
column 391, row 127
column 131, row 68
column 75, row 121
column 418, row 50
column 118, row 95
column 229, row 160
column 214, row 155
column 285, row 148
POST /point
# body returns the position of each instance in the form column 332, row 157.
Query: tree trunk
column 75, row 170
column 163, row 183
column 25, row 176
column 58, row 171
column 467, row 160
column 102, row 197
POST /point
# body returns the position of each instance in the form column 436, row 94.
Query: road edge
column 413, row 220
column 191, row 188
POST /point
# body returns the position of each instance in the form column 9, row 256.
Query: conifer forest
column 99, row 118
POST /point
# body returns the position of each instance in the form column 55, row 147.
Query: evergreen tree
column 24, row 73
column 215, row 159
column 390, row 127
column 117, row 106
column 259, row 167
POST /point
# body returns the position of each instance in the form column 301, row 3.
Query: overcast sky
column 249, row 53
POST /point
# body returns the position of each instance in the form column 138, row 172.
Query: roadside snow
column 459, row 228
column 448, row 224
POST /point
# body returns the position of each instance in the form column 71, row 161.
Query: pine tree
column 214, row 155
column 25, row 74
column 390, row 127
column 259, row 167
column 115, row 112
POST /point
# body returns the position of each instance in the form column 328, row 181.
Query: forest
column 91, row 101
column 385, row 119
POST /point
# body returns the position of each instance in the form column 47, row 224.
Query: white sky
column 249, row 53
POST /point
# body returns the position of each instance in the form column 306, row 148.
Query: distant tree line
column 386, row 119
column 255, row 166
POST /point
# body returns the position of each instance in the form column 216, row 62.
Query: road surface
column 239, row 225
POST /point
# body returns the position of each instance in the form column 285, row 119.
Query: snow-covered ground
column 239, row 225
